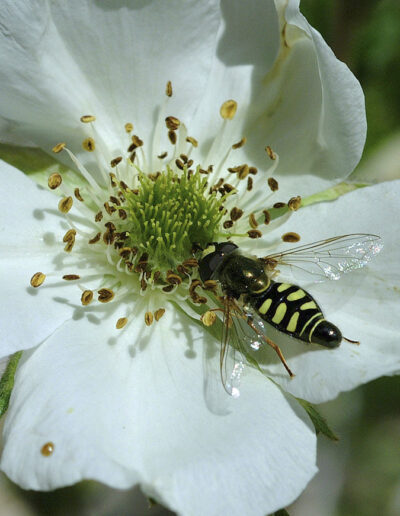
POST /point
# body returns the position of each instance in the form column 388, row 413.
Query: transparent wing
column 326, row 259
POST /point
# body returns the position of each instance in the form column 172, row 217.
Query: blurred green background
column 359, row 475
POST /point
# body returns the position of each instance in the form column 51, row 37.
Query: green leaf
column 7, row 382
column 319, row 422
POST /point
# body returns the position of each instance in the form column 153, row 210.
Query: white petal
column 364, row 304
column 122, row 409
column 31, row 238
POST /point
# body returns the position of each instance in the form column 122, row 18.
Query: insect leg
column 351, row 341
column 274, row 346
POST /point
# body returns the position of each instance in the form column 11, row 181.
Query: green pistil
column 169, row 214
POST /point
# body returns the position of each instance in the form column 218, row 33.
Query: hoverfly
column 252, row 296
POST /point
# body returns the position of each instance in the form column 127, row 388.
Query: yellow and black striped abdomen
column 294, row 311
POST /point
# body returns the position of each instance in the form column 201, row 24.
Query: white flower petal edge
column 30, row 230
column 363, row 304
column 133, row 410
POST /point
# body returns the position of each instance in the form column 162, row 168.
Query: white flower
column 117, row 391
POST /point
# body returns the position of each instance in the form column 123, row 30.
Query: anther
column 254, row 233
column 95, row 239
column 148, row 318
column 210, row 285
column 227, row 224
column 98, row 217
column 136, row 141
column 208, row 318
column 121, row 323
column 190, row 262
column 192, row 140
column 179, row 163
column 270, row 152
column 65, row 204
column 37, row 279
column 243, row 172
column 86, row 297
column 240, row 143
column 253, row 170
column 267, row 217
column 105, row 295
column 228, row 109
column 294, row 203
column 173, row 279
column 128, row 127
column 54, row 181
column 78, row 195
column 69, row 235
column 162, row 155
column 236, row 213
column 172, row 123
column 279, row 205
column 249, row 184
column 172, row 137
column 114, row 162
column 273, row 184
column 253, row 221
column 87, row 119
column 89, row 145
column 71, row 277
column 291, row 237
column 159, row 313
column 47, row 449
column 59, row 147
column 122, row 214
column 168, row 89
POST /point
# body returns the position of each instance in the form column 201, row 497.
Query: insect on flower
column 251, row 297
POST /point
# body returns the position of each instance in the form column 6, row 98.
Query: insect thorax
column 240, row 274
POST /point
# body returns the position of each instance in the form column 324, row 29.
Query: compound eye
column 227, row 248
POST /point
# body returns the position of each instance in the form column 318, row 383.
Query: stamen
column 159, row 313
column 38, row 279
column 65, row 204
column 192, row 140
column 272, row 155
column 148, row 318
column 228, row 109
column 208, row 318
column 267, row 217
column 89, row 145
column 172, row 123
column 291, row 237
column 87, row 119
column 239, row 144
column 86, row 297
column 105, row 295
column 252, row 221
column 78, row 195
column 273, row 184
column 279, row 205
column 121, row 323
column 168, row 89
column 254, row 233
column 114, row 162
column 54, row 181
column 294, row 203
column 71, row 277
column 128, row 127
column 59, row 147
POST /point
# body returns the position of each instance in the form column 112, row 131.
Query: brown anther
column 143, row 284
column 65, row 204
column 194, row 284
column 172, row 137
column 115, row 200
column 182, row 269
column 144, row 258
column 122, row 214
column 86, row 297
column 162, row 155
column 253, row 170
column 125, row 252
column 124, row 186
column 228, row 188
column 240, row 143
column 168, row 89
column 184, row 158
column 267, row 217
column 148, row 318
column 279, row 205
column 294, row 203
column 273, row 184
column 210, row 285
column 190, row 163
column 109, row 237
column 291, row 237
column 172, row 123
column 69, row 246
column 236, row 213
column 208, row 318
column 249, row 184
column 137, row 141
column 253, row 221
column 173, row 279
column 254, row 233
column 233, row 170
column 59, row 147
column 270, row 152
column 98, row 217
column 105, row 295
column 159, row 313
column 88, row 144
column 47, row 449
column 95, row 239
column 190, row 262
column 78, row 195
column 135, row 191
column 54, row 181
column 71, row 277
column 132, row 156
column 228, row 109
column 179, row 163
column 128, row 127
column 109, row 209
column 69, row 235
column 121, row 323
column 243, row 172
column 114, row 162
column 37, row 279
column 192, row 140
column 227, row 224
column 86, row 119
column 199, row 299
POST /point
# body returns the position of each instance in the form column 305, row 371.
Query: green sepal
column 319, row 422
column 281, row 512
column 7, row 382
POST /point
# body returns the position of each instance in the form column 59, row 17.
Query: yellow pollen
column 54, row 181
column 159, row 313
column 65, row 204
column 172, row 123
column 121, row 323
column 86, row 297
column 291, row 237
column 208, row 318
column 228, row 109
column 148, row 318
column 192, row 140
column 59, row 147
column 38, row 279
column 86, row 119
column 239, row 144
column 270, row 152
column 88, row 144
column 294, row 203
column 128, row 127
column 168, row 89
column 105, row 295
